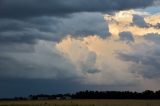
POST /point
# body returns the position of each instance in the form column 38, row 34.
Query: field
column 82, row 103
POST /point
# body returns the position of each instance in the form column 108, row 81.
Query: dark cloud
column 146, row 65
column 44, row 62
column 11, row 87
column 157, row 26
column 139, row 21
column 27, row 46
column 35, row 8
column 89, row 65
column 126, row 36
column 16, row 47
column 153, row 37
column 93, row 71
column 51, row 28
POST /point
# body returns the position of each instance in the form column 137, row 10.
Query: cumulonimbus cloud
column 124, row 58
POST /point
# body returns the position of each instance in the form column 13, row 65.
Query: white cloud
column 132, row 21
column 97, row 53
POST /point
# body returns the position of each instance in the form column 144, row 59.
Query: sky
column 64, row 46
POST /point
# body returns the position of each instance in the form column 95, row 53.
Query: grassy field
column 82, row 103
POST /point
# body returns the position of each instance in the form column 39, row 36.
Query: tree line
column 117, row 95
column 148, row 94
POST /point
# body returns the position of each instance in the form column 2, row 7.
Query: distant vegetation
column 82, row 102
column 88, row 98
column 94, row 95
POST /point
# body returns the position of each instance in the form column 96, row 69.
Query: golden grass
column 82, row 103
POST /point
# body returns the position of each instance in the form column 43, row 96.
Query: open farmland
column 93, row 102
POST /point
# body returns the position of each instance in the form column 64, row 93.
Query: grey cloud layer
column 42, row 63
column 145, row 65
column 34, row 8
column 145, row 57
column 51, row 28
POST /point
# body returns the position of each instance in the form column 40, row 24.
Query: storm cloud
column 70, row 45
column 51, row 28
column 35, row 8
